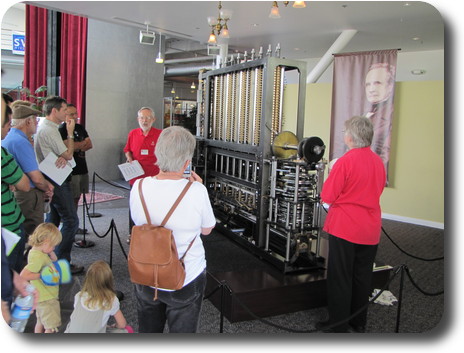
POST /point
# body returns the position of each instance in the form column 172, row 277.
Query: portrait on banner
column 364, row 85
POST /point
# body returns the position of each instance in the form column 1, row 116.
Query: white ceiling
column 302, row 33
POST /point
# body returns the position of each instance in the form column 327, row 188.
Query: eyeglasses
column 145, row 118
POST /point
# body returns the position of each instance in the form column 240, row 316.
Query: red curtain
column 73, row 61
column 35, row 59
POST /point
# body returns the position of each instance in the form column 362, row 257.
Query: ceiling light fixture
column 219, row 25
column 274, row 11
column 159, row 58
column 299, row 4
column 193, row 85
column 275, row 7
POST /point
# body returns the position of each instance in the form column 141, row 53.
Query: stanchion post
column 111, row 245
column 223, row 297
column 400, row 299
column 84, row 243
column 93, row 214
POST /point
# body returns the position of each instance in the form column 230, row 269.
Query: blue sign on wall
column 19, row 44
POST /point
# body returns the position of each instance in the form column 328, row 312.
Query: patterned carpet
column 98, row 197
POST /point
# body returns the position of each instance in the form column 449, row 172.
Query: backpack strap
column 186, row 251
column 176, row 203
column 144, row 205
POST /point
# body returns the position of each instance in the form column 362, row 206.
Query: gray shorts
column 80, row 183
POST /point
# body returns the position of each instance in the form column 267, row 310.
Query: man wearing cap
column 17, row 142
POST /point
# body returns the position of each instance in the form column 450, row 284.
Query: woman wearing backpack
column 192, row 216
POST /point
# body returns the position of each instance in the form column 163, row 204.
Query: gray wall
column 122, row 76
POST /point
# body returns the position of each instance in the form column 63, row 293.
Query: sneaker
column 75, row 270
column 81, row 231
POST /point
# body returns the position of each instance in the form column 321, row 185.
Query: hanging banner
column 364, row 85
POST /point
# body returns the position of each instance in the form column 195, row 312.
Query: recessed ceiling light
column 415, row 38
column 418, row 72
column 406, row 4
column 255, row 24
column 296, row 49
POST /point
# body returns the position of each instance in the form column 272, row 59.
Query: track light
column 147, row 37
column 159, row 58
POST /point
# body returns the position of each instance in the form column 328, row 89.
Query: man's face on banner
column 378, row 85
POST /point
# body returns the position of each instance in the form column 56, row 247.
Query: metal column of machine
column 263, row 198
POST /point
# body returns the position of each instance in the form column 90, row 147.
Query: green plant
column 37, row 99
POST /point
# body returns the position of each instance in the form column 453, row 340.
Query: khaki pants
column 32, row 207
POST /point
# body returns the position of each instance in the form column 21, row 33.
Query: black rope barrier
column 408, row 273
column 410, row 255
column 111, row 183
column 403, row 251
column 112, row 229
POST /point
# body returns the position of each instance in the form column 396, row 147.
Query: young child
column 96, row 302
column 43, row 241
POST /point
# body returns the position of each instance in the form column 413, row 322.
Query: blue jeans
column 181, row 308
column 62, row 209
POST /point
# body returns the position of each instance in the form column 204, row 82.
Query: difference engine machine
column 264, row 183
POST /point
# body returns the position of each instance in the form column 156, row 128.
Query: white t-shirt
column 83, row 318
column 193, row 213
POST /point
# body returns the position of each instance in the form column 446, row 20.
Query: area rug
column 99, row 197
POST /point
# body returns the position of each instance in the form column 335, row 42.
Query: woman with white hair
column 352, row 190
column 192, row 217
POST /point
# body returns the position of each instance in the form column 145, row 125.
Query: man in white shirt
column 48, row 139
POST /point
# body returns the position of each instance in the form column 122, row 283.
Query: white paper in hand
column 49, row 168
column 131, row 170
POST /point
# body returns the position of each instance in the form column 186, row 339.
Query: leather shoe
column 75, row 270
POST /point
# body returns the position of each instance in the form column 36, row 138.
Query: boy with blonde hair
column 43, row 241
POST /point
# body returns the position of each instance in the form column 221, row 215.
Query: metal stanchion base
column 94, row 215
column 84, row 244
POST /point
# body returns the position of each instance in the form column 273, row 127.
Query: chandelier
column 219, row 25
column 275, row 8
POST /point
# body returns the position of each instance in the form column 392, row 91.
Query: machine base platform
column 268, row 293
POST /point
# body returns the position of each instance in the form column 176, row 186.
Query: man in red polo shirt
column 140, row 146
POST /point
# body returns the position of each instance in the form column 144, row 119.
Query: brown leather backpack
column 153, row 258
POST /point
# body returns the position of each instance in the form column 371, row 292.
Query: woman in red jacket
column 353, row 190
